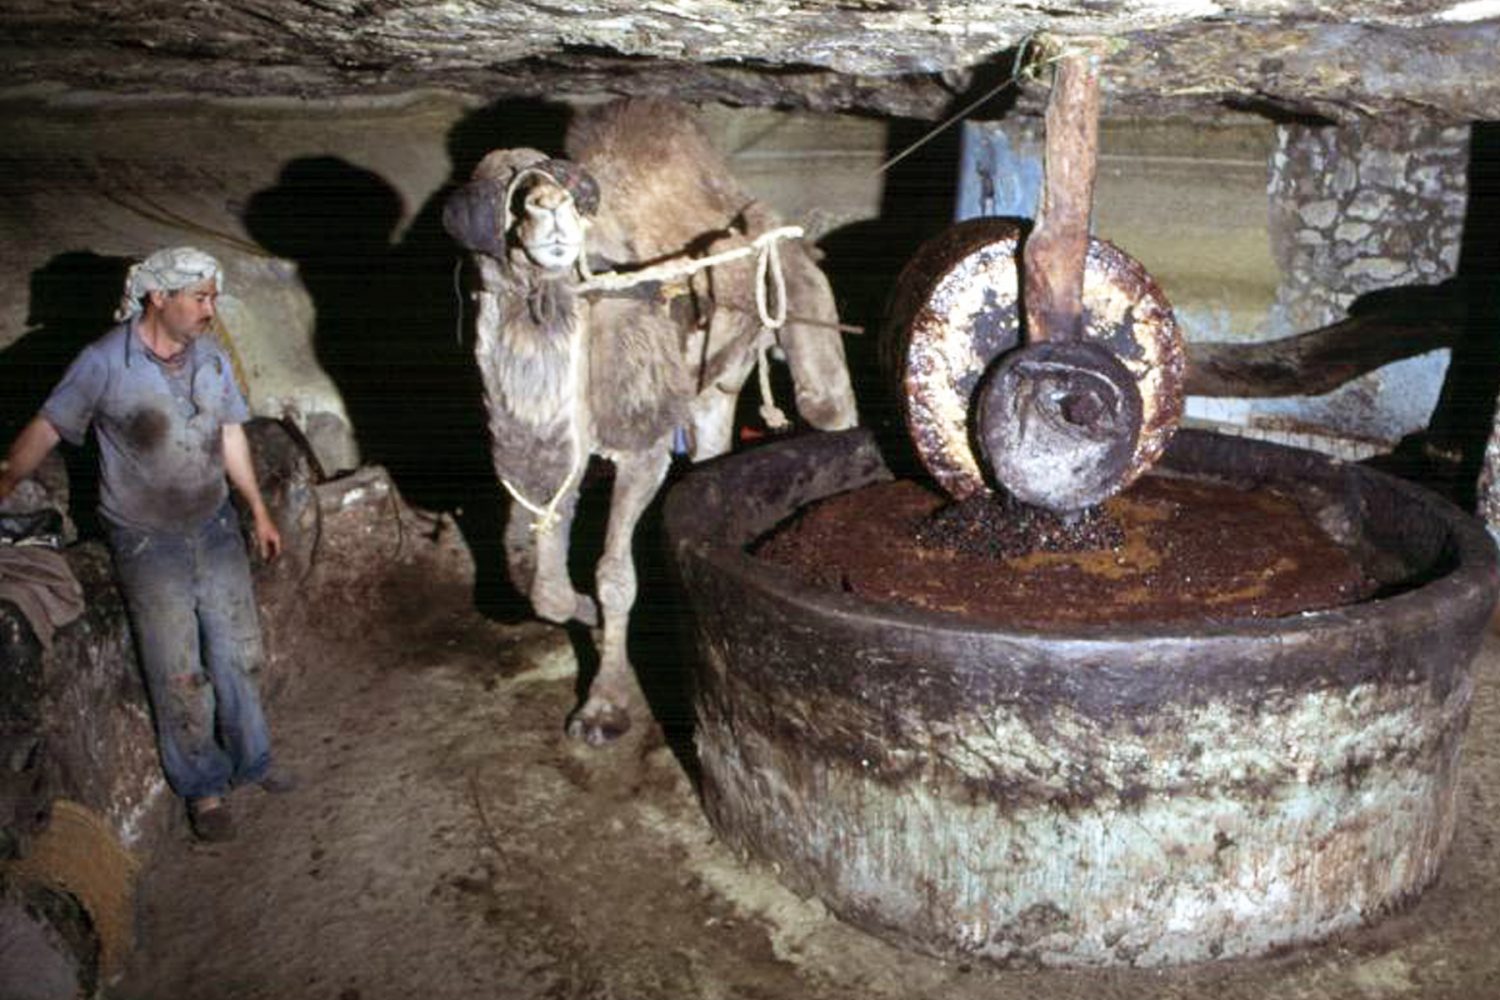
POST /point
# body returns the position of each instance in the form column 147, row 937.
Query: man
column 163, row 402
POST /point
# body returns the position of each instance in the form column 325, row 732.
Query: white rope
column 1051, row 49
column 544, row 519
column 616, row 280
column 774, row 416
column 769, row 265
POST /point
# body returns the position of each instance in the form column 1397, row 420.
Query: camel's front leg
column 605, row 714
column 712, row 415
column 538, row 564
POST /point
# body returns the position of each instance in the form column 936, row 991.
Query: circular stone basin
column 1105, row 795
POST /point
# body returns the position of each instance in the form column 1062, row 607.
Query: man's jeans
column 192, row 610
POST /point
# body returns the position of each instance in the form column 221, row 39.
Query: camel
column 601, row 332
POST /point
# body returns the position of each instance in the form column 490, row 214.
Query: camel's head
column 521, row 205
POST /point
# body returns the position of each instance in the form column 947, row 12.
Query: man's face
column 186, row 314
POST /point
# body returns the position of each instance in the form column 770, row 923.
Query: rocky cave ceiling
column 917, row 58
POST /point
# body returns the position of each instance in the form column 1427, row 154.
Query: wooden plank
column 1319, row 361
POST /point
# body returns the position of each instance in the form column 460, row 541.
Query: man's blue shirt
column 159, row 427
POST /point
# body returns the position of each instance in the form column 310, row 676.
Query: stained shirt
column 159, row 427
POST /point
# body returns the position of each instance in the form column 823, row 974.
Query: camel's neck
column 530, row 330
column 537, row 314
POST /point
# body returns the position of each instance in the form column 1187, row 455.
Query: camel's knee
column 713, row 423
column 616, row 583
column 825, row 409
column 552, row 604
column 552, row 595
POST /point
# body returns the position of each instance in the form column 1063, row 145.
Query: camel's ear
column 474, row 216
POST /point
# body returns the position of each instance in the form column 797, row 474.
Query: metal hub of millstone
column 1058, row 422
column 1084, row 420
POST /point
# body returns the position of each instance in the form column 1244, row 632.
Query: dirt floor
column 449, row 841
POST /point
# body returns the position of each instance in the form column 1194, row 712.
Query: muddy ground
column 449, row 841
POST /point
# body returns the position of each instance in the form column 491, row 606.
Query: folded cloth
column 39, row 581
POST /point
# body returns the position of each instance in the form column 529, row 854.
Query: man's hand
column 267, row 538
column 31, row 446
column 241, row 471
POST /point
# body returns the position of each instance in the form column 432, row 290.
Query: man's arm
column 34, row 443
column 241, row 472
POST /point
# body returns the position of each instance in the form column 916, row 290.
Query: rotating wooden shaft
column 1059, row 419
column 1054, row 254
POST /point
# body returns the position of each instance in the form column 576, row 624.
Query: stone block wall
column 1353, row 210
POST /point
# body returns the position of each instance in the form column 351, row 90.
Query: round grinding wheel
column 955, row 313
column 1059, row 422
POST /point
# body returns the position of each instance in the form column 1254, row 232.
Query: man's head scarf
column 169, row 270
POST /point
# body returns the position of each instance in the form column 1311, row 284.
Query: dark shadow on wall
column 1465, row 415
column 864, row 259
column 1449, row 455
column 72, row 303
column 394, row 326
column 386, row 330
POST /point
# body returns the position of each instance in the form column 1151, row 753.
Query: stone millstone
column 956, row 312
column 1058, row 423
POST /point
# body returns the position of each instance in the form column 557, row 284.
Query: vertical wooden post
column 1055, row 252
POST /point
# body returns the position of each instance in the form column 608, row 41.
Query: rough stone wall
column 1489, row 483
column 282, row 196
column 1358, row 209
column 76, row 737
column 1346, row 59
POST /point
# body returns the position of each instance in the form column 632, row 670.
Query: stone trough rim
column 1471, row 581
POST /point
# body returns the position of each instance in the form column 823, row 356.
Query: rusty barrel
column 1107, row 796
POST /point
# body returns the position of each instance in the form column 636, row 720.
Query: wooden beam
column 1319, row 361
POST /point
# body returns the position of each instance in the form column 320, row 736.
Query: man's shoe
column 278, row 779
column 211, row 819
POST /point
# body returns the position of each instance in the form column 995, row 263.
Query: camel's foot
column 599, row 721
